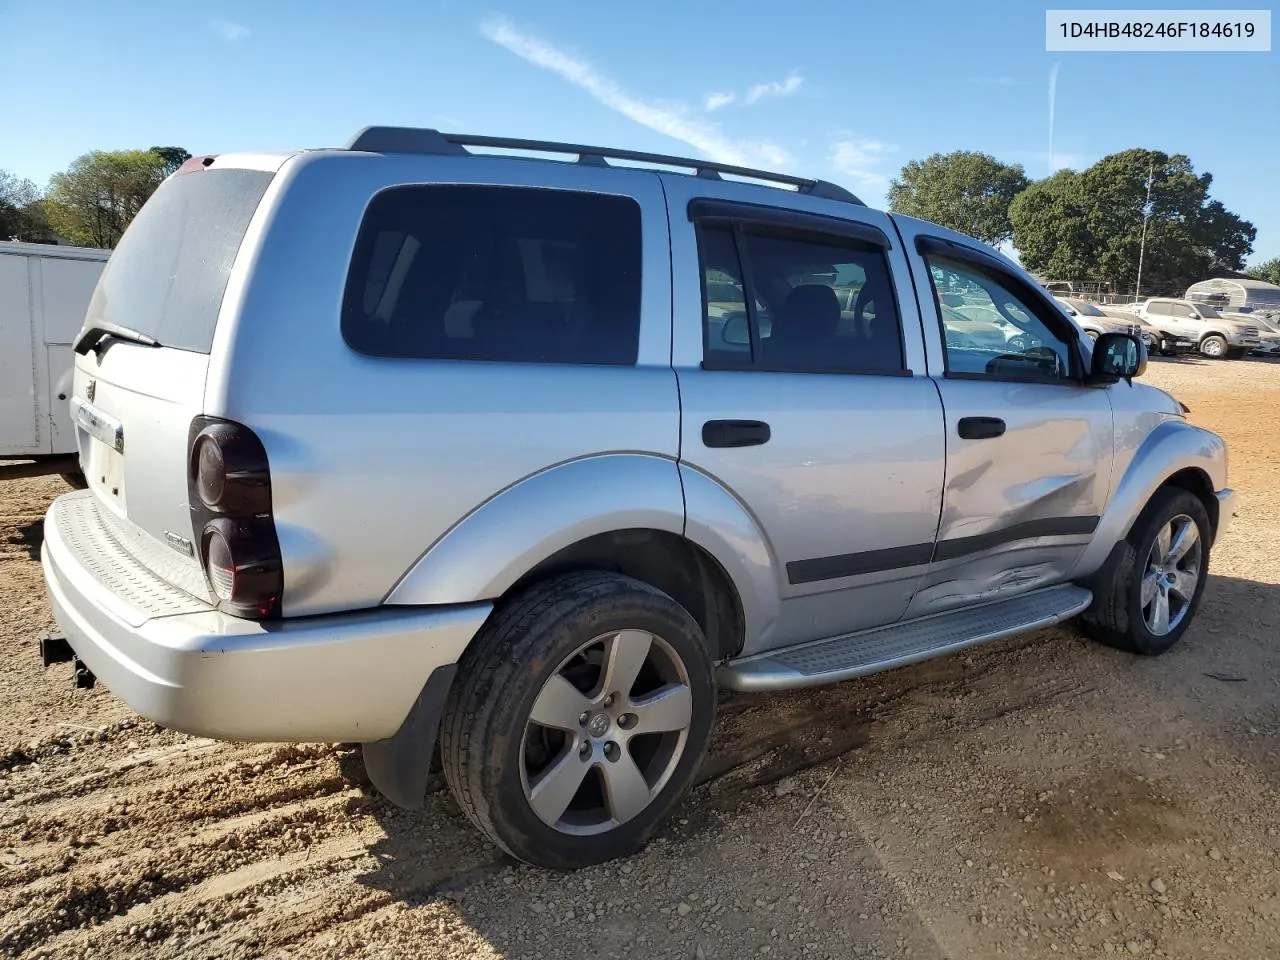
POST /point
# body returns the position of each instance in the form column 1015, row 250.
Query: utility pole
column 1142, row 249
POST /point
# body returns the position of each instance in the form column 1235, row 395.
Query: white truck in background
column 44, row 293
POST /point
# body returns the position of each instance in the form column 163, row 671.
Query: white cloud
column 859, row 161
column 777, row 88
column 230, row 31
column 672, row 120
column 715, row 101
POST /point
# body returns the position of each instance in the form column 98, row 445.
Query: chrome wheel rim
column 1172, row 574
column 1213, row 347
column 606, row 732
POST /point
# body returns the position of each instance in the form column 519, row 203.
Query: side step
column 884, row 648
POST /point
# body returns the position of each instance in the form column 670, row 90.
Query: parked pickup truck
column 1215, row 335
column 44, row 292
column 1094, row 321
column 405, row 444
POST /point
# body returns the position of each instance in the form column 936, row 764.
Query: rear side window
column 511, row 274
column 783, row 301
column 168, row 274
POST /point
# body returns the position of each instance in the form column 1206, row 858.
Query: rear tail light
column 229, row 490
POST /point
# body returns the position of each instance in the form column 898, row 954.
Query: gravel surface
column 1039, row 797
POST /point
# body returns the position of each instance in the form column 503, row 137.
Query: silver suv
column 403, row 443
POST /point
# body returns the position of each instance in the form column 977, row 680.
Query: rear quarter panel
column 375, row 460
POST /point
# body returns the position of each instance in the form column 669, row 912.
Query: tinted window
column 496, row 273
column 820, row 304
column 1158, row 309
column 991, row 331
column 167, row 277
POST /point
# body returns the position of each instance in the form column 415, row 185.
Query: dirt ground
column 1039, row 797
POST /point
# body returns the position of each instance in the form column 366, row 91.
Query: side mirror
column 736, row 331
column 1117, row 356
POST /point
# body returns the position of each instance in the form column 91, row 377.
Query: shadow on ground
column 1221, row 679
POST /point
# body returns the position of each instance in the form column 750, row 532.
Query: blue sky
column 848, row 91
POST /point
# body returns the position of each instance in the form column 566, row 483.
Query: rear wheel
column 579, row 718
column 1147, row 595
column 1214, row 346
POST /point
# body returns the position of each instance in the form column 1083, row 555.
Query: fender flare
column 489, row 550
column 720, row 524
column 1173, row 446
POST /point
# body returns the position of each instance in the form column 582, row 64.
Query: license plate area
column 105, row 473
column 104, row 452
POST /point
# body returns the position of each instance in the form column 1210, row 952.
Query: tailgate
column 143, row 355
column 132, row 411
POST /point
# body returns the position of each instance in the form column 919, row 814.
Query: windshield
column 1208, row 312
column 167, row 276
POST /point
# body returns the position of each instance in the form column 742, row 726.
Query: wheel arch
column 620, row 512
column 1174, row 454
column 677, row 566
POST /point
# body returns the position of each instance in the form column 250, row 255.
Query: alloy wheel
column 1172, row 574
column 606, row 732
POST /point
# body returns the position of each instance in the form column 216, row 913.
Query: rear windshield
column 167, row 276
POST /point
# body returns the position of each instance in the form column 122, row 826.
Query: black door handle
column 735, row 433
column 980, row 428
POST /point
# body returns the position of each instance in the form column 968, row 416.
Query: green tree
column 171, row 158
column 1268, row 270
column 94, row 200
column 964, row 190
column 1089, row 225
column 20, row 214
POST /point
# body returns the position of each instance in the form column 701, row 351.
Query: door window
column 790, row 301
column 991, row 331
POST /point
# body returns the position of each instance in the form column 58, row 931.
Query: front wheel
column 1148, row 592
column 1214, row 346
column 580, row 716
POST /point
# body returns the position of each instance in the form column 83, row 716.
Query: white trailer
column 44, row 293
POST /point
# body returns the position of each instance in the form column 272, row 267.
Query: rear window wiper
column 100, row 330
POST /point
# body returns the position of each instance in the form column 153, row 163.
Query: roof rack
column 428, row 141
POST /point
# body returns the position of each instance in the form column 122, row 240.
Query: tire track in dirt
column 165, row 831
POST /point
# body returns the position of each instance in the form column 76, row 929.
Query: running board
column 884, row 648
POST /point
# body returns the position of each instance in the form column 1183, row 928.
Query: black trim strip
column 919, row 554
column 856, row 564
column 731, row 211
column 1044, row 527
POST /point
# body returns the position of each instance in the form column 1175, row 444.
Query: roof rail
column 428, row 141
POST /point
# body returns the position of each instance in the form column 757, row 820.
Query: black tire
column 75, row 480
column 525, row 641
column 1116, row 615
column 1213, row 346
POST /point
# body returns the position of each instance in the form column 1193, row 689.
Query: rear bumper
column 341, row 677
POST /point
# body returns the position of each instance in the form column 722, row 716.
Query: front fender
column 507, row 536
column 1172, row 446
